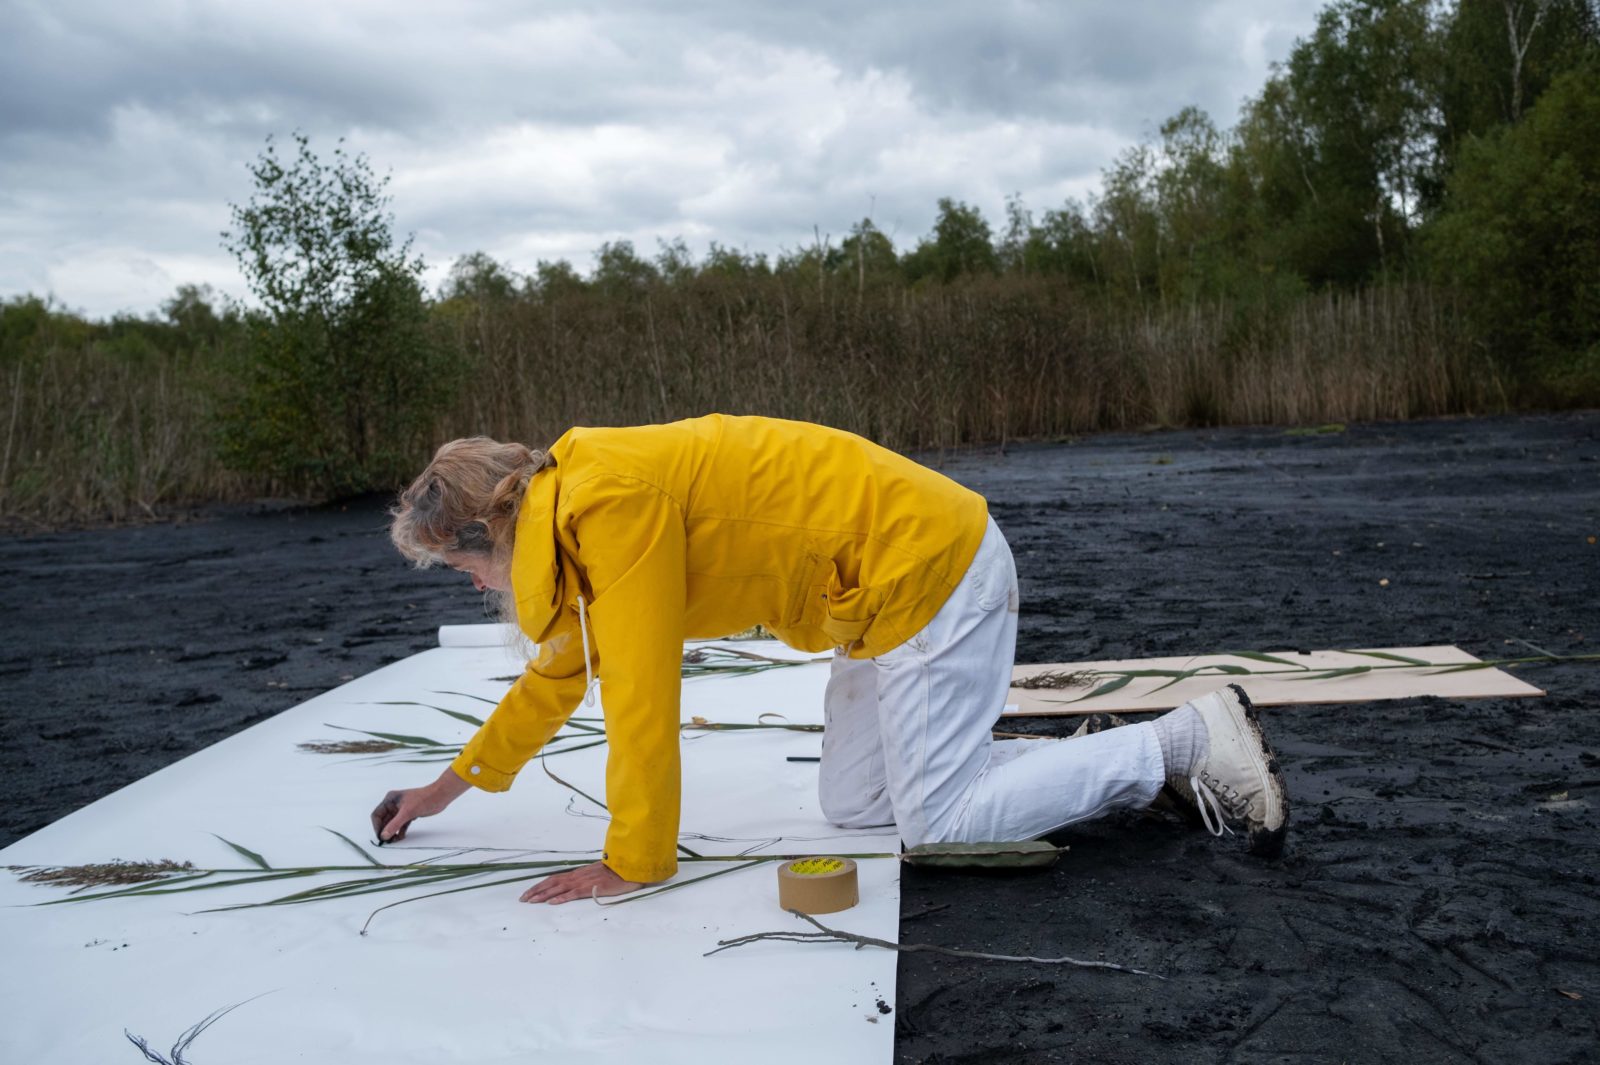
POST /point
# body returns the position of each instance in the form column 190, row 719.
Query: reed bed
column 92, row 432
column 982, row 361
column 96, row 435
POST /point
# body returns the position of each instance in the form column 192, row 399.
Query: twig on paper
column 832, row 935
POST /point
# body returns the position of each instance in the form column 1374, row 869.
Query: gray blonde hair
column 466, row 501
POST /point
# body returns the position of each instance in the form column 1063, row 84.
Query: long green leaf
column 469, row 695
column 572, row 787
column 130, row 889
column 346, row 890
column 452, row 891
column 358, row 848
column 457, row 714
column 1330, row 674
column 349, row 888
column 1257, row 656
column 1387, row 657
column 246, row 853
column 1184, row 675
column 573, row 747
column 635, row 897
column 1114, row 684
column 163, row 888
column 392, row 737
column 476, row 722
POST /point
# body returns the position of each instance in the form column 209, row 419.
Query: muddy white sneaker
column 1237, row 780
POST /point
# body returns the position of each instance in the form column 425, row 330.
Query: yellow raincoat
column 694, row 530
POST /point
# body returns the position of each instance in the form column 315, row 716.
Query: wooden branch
column 825, row 934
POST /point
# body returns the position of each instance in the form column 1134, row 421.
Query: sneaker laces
column 1212, row 807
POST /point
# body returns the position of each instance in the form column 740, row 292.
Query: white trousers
column 907, row 739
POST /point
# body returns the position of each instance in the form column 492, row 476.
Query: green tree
column 1064, row 243
column 1127, row 221
column 1497, row 58
column 552, row 280
column 342, row 379
column 961, row 243
column 674, row 261
column 478, row 278
column 31, row 325
column 1520, row 233
column 1189, row 192
column 866, row 256
column 1017, row 248
column 1362, row 89
column 619, row 271
column 722, row 261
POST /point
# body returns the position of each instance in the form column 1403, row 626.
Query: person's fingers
column 394, row 816
column 384, row 812
column 588, row 882
column 541, row 891
column 563, row 893
column 395, row 830
column 552, row 886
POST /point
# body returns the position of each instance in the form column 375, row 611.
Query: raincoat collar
column 542, row 576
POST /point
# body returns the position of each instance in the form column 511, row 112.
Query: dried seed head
column 1081, row 678
column 104, row 873
column 350, row 746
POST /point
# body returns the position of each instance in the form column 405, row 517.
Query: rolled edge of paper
column 821, row 884
column 473, row 635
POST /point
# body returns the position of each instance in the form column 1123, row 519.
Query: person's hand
column 582, row 883
column 398, row 809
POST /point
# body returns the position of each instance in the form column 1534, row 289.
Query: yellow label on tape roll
column 823, row 884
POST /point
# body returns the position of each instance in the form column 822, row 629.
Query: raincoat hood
column 543, row 577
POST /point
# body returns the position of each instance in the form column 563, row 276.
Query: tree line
column 1412, row 200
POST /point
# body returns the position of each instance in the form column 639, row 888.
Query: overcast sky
column 540, row 130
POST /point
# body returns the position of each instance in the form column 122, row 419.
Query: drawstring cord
column 591, row 681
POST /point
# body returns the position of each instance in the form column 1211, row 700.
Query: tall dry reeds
column 979, row 361
column 92, row 433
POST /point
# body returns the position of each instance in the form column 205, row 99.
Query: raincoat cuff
column 474, row 772
column 637, row 872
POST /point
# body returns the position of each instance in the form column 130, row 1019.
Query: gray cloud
column 125, row 129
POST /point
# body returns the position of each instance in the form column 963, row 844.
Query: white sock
column 1184, row 744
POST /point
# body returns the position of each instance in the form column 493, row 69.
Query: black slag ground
column 1439, row 899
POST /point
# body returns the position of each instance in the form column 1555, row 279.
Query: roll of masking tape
column 818, row 885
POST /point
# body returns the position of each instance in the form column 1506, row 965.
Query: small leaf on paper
column 1114, row 684
column 1386, row 656
column 246, row 853
column 1257, row 656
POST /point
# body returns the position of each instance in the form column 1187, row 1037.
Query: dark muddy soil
column 1439, row 899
